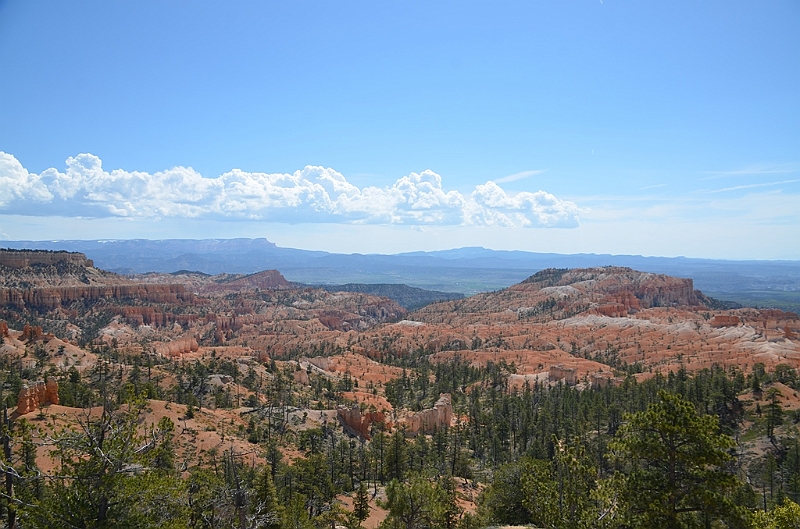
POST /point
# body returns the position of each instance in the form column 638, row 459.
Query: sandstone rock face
column 36, row 394
column 51, row 298
column 31, row 333
column 433, row 419
column 266, row 280
column 177, row 347
column 353, row 365
column 559, row 294
column 773, row 319
column 337, row 320
column 593, row 319
column 604, row 379
column 25, row 258
column 323, row 362
column 622, row 286
column 301, row 377
column 153, row 316
column 568, row 374
column 357, row 422
column 725, row 320
column 236, row 322
column 51, row 392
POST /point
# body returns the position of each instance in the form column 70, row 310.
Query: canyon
column 591, row 321
column 255, row 365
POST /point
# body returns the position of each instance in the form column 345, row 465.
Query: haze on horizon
column 594, row 127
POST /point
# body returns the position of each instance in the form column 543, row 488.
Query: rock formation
column 138, row 315
column 25, row 258
column 51, row 298
column 36, row 394
column 725, row 320
column 337, row 320
column 359, row 423
column 619, row 285
column 266, row 280
column 301, row 377
column 32, row 333
column 430, row 420
column 177, row 347
column 603, row 379
column 234, row 323
column 568, row 374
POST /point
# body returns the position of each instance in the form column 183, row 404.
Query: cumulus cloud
column 17, row 184
column 313, row 194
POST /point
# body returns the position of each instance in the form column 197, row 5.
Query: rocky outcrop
column 604, row 379
column 618, row 304
column 236, row 322
column 359, row 423
column 323, row 362
column 25, row 258
column 266, row 280
column 410, row 298
column 34, row 333
column 54, row 297
column 137, row 316
column 382, row 309
column 620, row 285
column 568, row 374
column 725, row 320
column 337, row 320
column 430, row 420
column 31, row 333
column 36, row 394
column 301, row 377
column 177, row 347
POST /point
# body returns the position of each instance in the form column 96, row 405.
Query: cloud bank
column 313, row 194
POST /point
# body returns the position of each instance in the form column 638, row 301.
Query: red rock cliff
column 35, row 394
column 359, row 423
column 24, row 258
column 54, row 297
column 432, row 419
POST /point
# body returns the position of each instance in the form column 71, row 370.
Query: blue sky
column 669, row 128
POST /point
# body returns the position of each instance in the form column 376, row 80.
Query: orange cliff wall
column 25, row 258
column 138, row 315
column 177, row 347
column 359, row 423
column 35, row 394
column 53, row 297
column 432, row 419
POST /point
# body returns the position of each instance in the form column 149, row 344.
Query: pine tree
column 361, row 503
column 267, row 511
column 678, row 465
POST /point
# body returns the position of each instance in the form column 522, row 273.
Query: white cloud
column 751, row 186
column 491, row 205
column 753, row 170
column 313, row 194
column 16, row 183
column 519, row 176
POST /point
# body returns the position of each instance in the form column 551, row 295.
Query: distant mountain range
column 463, row 270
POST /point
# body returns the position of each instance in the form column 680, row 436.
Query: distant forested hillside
column 410, row 298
